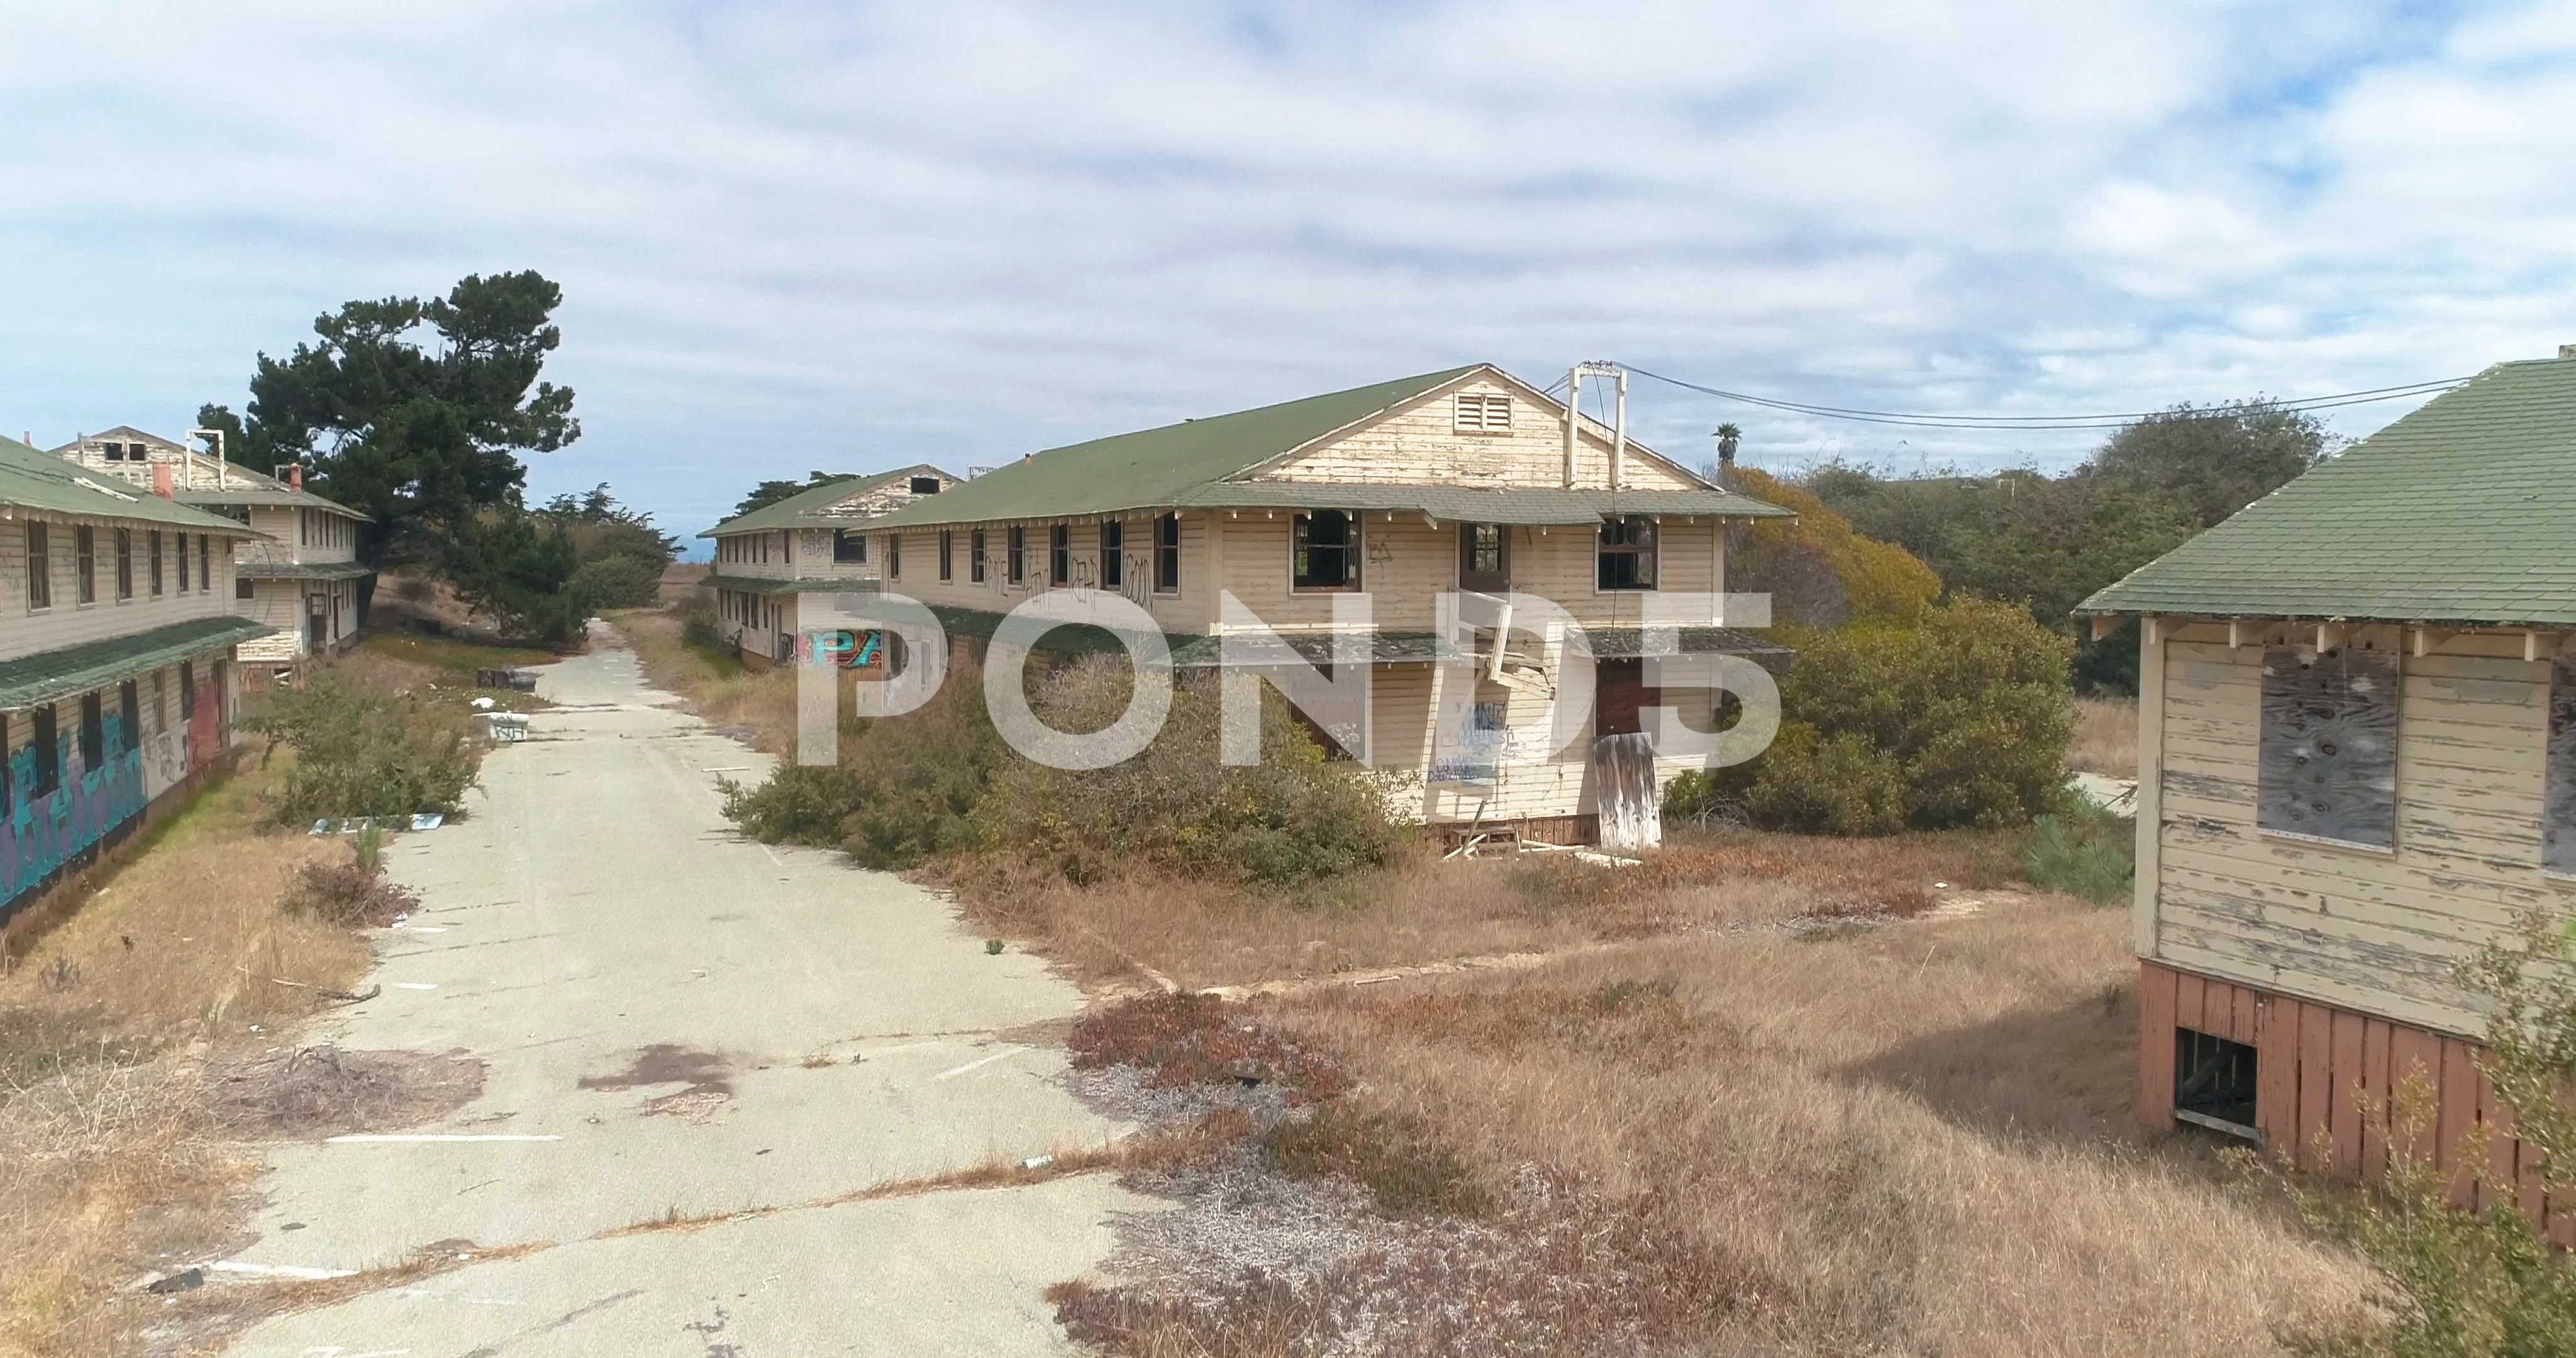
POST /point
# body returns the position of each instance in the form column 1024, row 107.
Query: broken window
column 2328, row 752
column 925, row 485
column 1484, row 558
column 2558, row 814
column 1326, row 555
column 2214, row 1082
column 1627, row 553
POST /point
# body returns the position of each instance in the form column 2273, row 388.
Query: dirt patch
column 325, row 1091
column 706, row 1079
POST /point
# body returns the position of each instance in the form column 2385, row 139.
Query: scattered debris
column 706, row 1077
column 515, row 681
column 186, row 1280
column 321, row 1090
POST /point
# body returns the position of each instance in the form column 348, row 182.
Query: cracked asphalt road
column 680, row 1023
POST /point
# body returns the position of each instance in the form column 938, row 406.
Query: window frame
column 1643, row 558
column 124, row 540
column 45, row 736
column 93, row 732
column 1059, row 555
column 947, row 554
column 40, row 566
column 975, row 571
column 1015, row 555
column 205, row 563
column 1304, row 552
column 1113, row 548
column 84, row 564
column 1167, row 554
column 129, row 716
column 187, row 691
column 2357, row 709
column 2558, row 789
column 849, row 547
column 152, row 559
column 1496, row 581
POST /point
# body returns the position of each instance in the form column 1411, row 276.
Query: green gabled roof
column 793, row 584
column 1475, row 504
column 804, row 509
column 2462, row 512
column 30, row 479
column 48, row 675
column 1194, row 463
column 1156, row 467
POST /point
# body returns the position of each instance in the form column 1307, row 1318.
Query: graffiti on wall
column 43, row 833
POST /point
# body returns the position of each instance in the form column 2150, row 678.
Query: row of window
column 36, row 770
column 2326, row 755
column 315, row 528
column 124, row 546
column 1324, row 554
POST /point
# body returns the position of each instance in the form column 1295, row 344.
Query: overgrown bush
column 2086, row 852
column 901, row 792
column 1959, row 719
column 362, row 752
column 1293, row 817
column 700, row 629
column 617, row 582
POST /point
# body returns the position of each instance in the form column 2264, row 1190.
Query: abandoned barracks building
column 117, row 631
column 2357, row 765
column 298, row 570
column 814, row 540
column 1465, row 480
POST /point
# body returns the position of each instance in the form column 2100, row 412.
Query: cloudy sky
column 802, row 236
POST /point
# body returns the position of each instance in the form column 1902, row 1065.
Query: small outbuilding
column 2357, row 766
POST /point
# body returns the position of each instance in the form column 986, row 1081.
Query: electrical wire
column 2013, row 422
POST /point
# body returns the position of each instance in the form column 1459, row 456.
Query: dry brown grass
column 2106, row 737
column 1916, row 1138
column 1421, row 908
column 758, row 705
column 115, row 1164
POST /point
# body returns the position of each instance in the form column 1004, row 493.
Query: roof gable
column 813, row 507
column 2462, row 511
column 31, row 479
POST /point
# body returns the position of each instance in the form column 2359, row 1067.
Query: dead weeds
column 324, row 1091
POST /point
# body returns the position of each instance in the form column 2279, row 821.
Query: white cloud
column 801, row 235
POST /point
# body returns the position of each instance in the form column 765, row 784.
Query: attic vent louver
column 1482, row 411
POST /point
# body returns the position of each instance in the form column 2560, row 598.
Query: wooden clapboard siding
column 2377, row 933
column 1418, row 444
column 1192, row 609
column 2328, row 1084
column 26, row 631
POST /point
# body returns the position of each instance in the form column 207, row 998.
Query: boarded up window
column 2329, row 745
column 2558, row 820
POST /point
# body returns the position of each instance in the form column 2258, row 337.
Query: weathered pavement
column 594, row 921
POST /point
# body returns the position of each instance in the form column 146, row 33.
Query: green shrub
column 2086, row 853
column 1960, row 719
column 901, row 792
column 1296, row 816
column 700, row 629
column 360, row 752
column 617, row 582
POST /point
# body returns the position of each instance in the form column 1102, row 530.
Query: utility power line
column 2013, row 422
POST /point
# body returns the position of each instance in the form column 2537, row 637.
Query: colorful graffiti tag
column 45, row 832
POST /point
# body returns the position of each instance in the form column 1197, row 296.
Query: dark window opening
column 40, row 568
column 242, row 588
column 894, row 556
column 49, row 754
column 183, row 564
column 1113, row 546
column 849, row 546
column 1484, row 557
column 2327, row 754
column 152, row 547
column 1167, row 554
column 205, row 570
column 129, row 717
column 85, row 564
column 2214, row 1083
column 1627, row 554
column 947, row 554
column 124, row 564
column 93, row 734
column 1015, row 553
column 1060, row 555
column 975, row 555
column 187, row 690
column 925, row 485
column 115, row 451
column 1326, row 545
